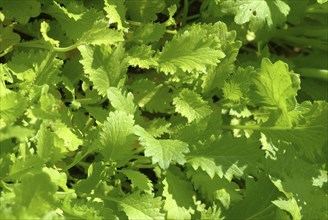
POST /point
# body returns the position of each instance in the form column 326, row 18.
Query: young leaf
column 100, row 34
column 226, row 156
column 162, row 151
column 142, row 56
column 12, row 106
column 34, row 199
column 139, row 180
column 121, row 102
column 191, row 105
column 138, row 206
column 193, row 54
column 117, row 137
column 22, row 11
column 116, row 12
column 105, row 67
column 275, row 85
column 261, row 13
column 178, row 195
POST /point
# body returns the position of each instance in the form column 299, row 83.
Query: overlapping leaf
column 164, row 152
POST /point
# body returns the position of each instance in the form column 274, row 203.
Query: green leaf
column 96, row 172
column 191, row 105
column 309, row 135
column 8, row 38
column 100, row 34
column 37, row 66
column 254, row 206
column 121, row 102
column 148, row 33
column 142, row 56
column 70, row 140
column 138, row 206
column 227, row 156
column 116, row 12
column 321, row 179
column 158, row 127
column 275, row 85
column 12, row 107
column 22, row 11
column 178, row 195
column 212, row 213
column 189, row 51
column 143, row 10
column 237, row 88
column 21, row 166
column 117, row 137
column 104, row 66
column 162, row 151
column 74, row 18
column 44, row 29
column 289, row 206
column 34, row 195
column 260, row 14
column 139, row 180
column 15, row 132
column 179, row 187
column 215, row 189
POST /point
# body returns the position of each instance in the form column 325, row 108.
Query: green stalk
column 321, row 74
column 66, row 49
column 258, row 127
column 185, row 12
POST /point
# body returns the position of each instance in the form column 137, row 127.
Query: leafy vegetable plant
column 163, row 109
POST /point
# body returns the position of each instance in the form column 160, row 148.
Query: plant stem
column 193, row 17
column 321, row 74
column 66, row 49
column 258, row 127
column 185, row 12
column 171, row 32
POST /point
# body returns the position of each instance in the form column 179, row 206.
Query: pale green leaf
column 253, row 205
column 104, row 66
column 44, row 29
column 121, row 102
column 276, row 85
column 117, row 137
column 15, row 132
column 22, row 11
column 8, row 38
column 189, row 51
column 34, row 195
column 144, row 10
column 191, row 105
column 290, row 206
column 74, row 18
column 321, row 179
column 178, row 195
column 163, row 151
column 139, row 180
column 309, row 134
column 70, row 140
column 148, row 33
column 212, row 213
column 99, row 34
column 115, row 13
column 157, row 127
column 259, row 14
column 142, row 56
column 226, row 156
column 12, row 107
column 138, row 206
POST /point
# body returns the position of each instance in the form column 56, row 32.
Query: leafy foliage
column 163, row 109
